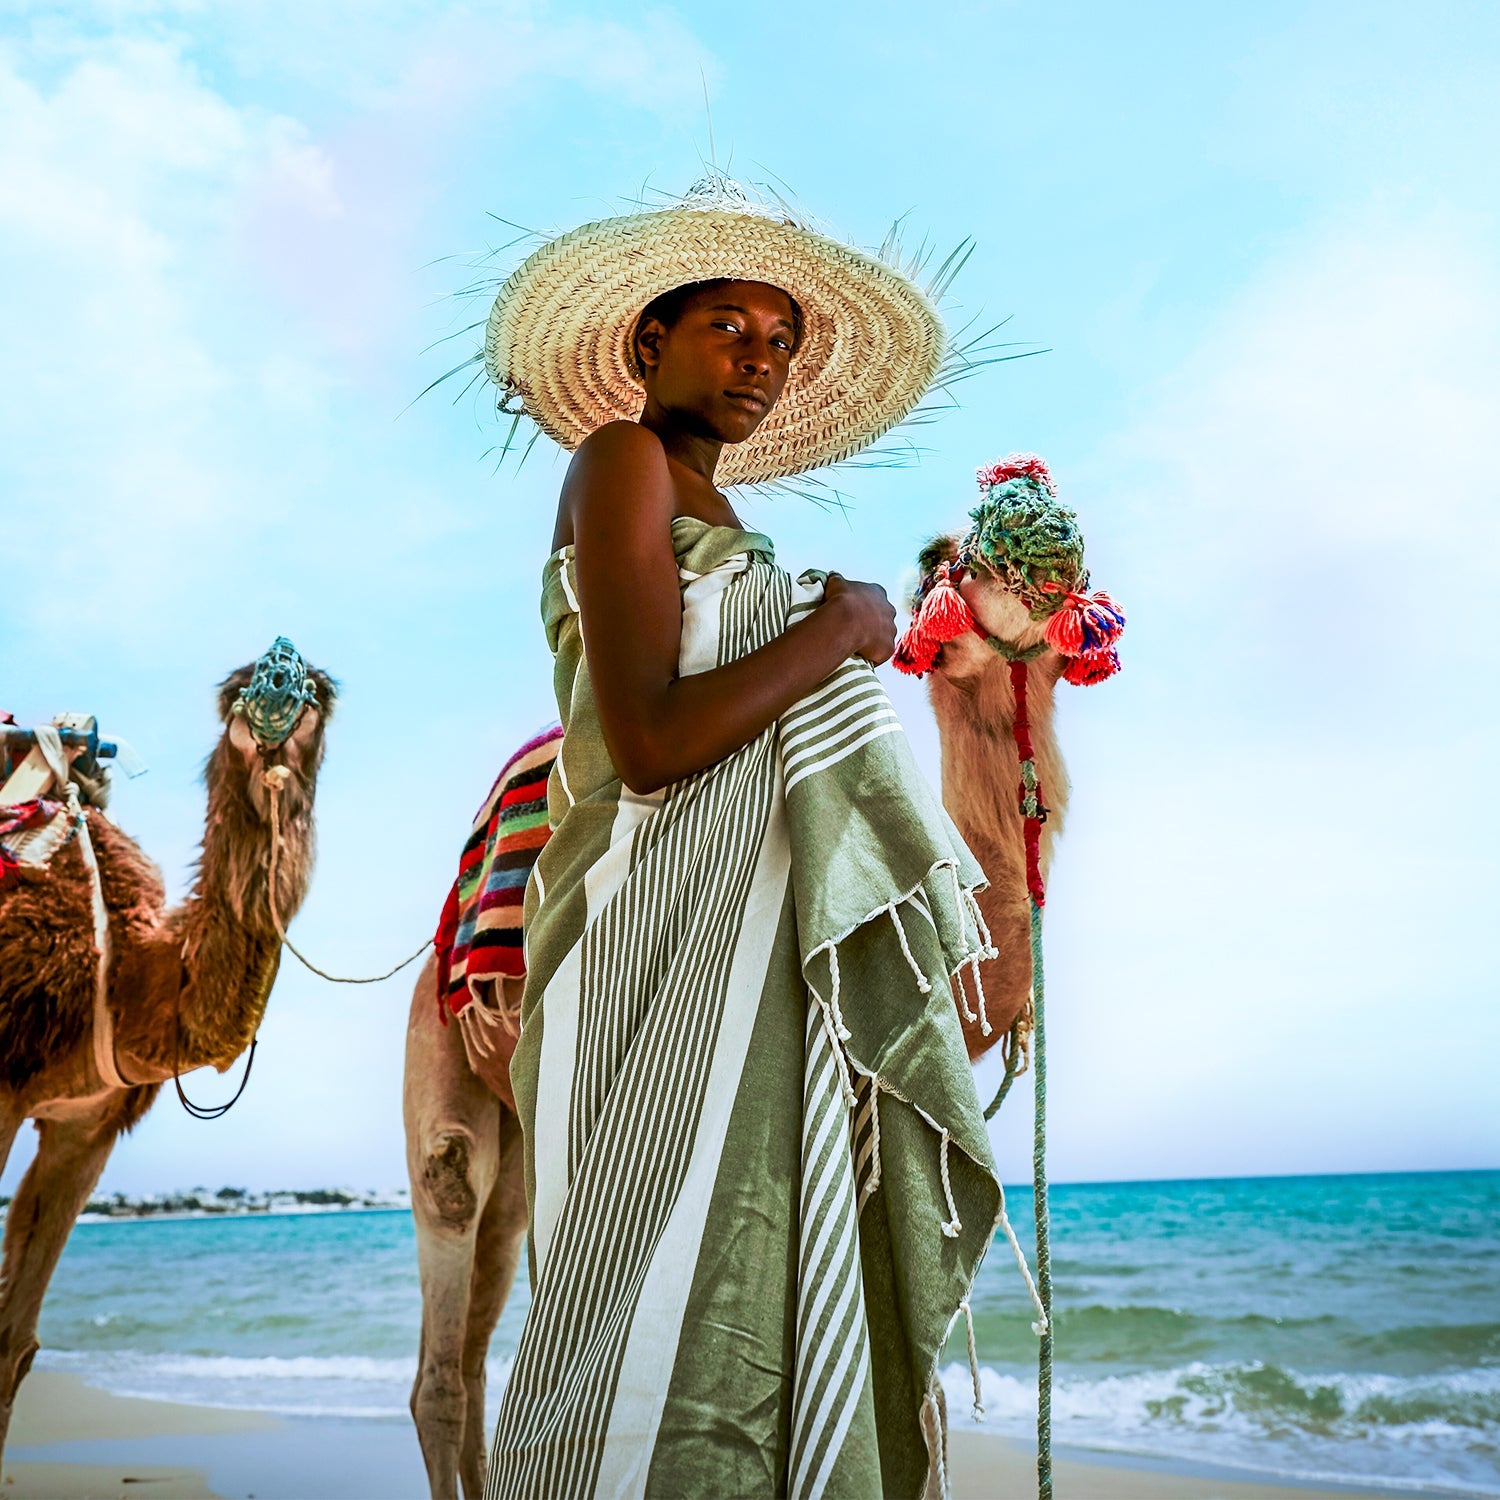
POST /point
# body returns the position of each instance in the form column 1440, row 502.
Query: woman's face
column 723, row 364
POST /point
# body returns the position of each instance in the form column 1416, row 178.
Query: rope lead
column 275, row 779
column 1043, row 1225
column 1033, row 815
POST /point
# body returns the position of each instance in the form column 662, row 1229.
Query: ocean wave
column 1147, row 1334
column 1401, row 1431
column 1459, row 1343
column 341, row 1385
column 1102, row 1333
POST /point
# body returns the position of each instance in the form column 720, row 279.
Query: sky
column 1260, row 246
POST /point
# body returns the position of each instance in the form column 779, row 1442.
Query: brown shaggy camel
column 463, row 1141
column 186, row 987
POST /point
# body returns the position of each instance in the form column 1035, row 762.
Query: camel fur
column 187, row 987
column 975, row 707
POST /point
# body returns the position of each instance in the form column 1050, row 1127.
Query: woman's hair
column 667, row 309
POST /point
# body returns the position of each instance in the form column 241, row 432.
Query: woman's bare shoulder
column 617, row 442
column 619, row 462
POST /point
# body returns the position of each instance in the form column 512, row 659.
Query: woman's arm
column 660, row 727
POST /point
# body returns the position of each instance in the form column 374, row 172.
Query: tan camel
column 186, row 987
column 463, row 1142
column 975, row 707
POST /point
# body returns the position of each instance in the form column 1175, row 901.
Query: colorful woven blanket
column 478, row 940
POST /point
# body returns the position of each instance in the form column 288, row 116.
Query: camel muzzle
column 280, row 687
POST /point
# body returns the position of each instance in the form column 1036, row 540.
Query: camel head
column 997, row 613
column 274, row 711
column 1011, row 588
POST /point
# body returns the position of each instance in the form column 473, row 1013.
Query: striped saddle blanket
column 478, row 939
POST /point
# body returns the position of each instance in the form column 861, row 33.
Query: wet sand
column 69, row 1441
column 55, row 1410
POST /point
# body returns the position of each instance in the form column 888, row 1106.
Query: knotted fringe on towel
column 863, row 1098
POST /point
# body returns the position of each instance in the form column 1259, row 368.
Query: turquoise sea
column 1338, row 1328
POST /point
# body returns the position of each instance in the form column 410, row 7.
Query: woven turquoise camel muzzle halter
column 279, row 689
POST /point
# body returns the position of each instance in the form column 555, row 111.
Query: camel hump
column 134, row 891
column 48, row 963
column 48, row 957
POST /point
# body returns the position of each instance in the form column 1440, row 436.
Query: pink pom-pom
column 1016, row 466
column 915, row 651
column 945, row 614
column 1093, row 666
column 1085, row 622
column 1065, row 630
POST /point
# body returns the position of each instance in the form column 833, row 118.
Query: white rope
column 275, row 778
column 826, row 1015
column 923, row 983
column 960, row 897
column 985, row 940
column 104, row 1024
column 874, row 1181
column 973, row 1361
column 840, row 1030
column 965, row 1009
column 939, row 1444
column 984, row 1021
column 1040, row 1326
column 952, row 1227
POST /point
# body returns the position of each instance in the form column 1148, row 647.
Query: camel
column 464, row 1141
column 974, row 704
column 186, row 987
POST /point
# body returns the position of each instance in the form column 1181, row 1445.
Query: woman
column 744, row 1260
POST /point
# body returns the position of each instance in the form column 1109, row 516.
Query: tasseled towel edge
column 972, row 954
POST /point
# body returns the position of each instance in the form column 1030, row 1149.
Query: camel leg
column 452, row 1156
column 502, row 1237
column 70, row 1155
column 10, row 1123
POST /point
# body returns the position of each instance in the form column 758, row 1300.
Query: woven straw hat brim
column 557, row 341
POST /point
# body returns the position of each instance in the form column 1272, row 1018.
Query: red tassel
column 1093, row 666
column 915, row 651
column 1085, row 622
column 945, row 614
column 1065, row 629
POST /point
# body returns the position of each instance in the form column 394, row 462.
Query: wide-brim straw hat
column 558, row 339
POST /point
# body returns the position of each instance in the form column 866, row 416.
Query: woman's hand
column 871, row 616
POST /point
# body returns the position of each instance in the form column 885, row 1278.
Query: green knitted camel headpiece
column 1026, row 538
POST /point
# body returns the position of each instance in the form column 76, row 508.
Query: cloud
column 113, row 179
column 337, row 225
column 209, row 289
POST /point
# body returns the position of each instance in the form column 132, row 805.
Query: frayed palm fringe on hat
column 875, row 362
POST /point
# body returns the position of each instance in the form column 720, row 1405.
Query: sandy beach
column 72, row 1442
